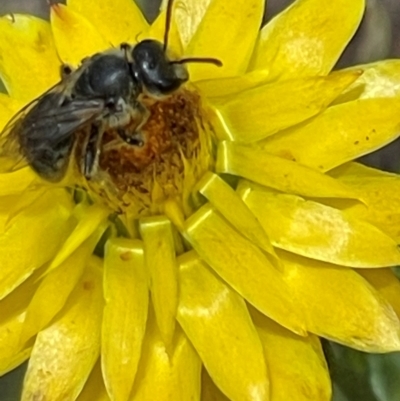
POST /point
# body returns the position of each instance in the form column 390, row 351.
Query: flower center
column 175, row 151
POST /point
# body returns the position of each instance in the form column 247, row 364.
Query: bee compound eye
column 151, row 65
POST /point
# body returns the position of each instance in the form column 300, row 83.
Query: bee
column 102, row 94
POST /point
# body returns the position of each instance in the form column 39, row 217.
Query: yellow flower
column 254, row 236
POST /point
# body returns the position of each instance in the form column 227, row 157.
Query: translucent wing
column 42, row 133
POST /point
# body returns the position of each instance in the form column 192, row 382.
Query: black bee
column 103, row 93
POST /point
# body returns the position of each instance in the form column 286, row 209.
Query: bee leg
column 91, row 151
column 136, row 139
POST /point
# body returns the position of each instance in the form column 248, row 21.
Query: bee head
column 153, row 68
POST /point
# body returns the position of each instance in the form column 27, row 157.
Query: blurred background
column 356, row 376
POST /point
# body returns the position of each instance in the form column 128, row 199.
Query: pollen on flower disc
column 140, row 178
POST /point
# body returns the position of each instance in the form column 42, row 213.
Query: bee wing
column 47, row 125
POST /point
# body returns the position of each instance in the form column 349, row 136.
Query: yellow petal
column 242, row 265
column 380, row 79
column 307, row 38
column 161, row 265
column 167, row 374
column 341, row 306
column 23, row 201
column 75, row 37
column 232, row 16
column 117, row 21
column 6, row 203
column 125, row 315
column 387, row 284
column 218, row 324
column 26, row 244
column 229, row 204
column 15, row 360
column 209, row 391
column 16, row 181
column 278, row 173
column 227, row 86
column 188, row 15
column 381, row 193
column 66, row 351
column 298, row 368
column 8, row 107
column 29, row 62
column 352, row 171
column 92, row 220
column 260, row 112
column 94, row 389
column 17, row 302
column 320, row 232
column 342, row 133
column 54, row 290
column 157, row 32
column 13, row 313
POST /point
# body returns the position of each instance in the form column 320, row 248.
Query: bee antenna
column 208, row 60
column 168, row 20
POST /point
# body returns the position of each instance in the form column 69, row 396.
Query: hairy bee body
column 99, row 95
column 104, row 93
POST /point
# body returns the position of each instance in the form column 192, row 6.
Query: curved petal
column 386, row 282
column 221, row 87
column 23, row 201
column 320, row 232
column 162, row 268
column 125, row 314
column 261, row 112
column 6, row 204
column 22, row 254
column 218, row 324
column 161, row 370
column 307, row 38
column 93, row 219
column 94, row 389
column 380, row 192
column 278, row 173
column 15, row 360
column 29, row 62
column 118, row 21
column 12, row 320
column 357, row 315
column 17, row 181
column 243, row 266
column 232, row 16
column 17, row 301
column 188, row 15
column 380, row 79
column 341, row 133
column 65, row 352
column 353, row 171
column 55, row 289
column 69, row 28
column 209, row 391
column 298, row 368
column 232, row 207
